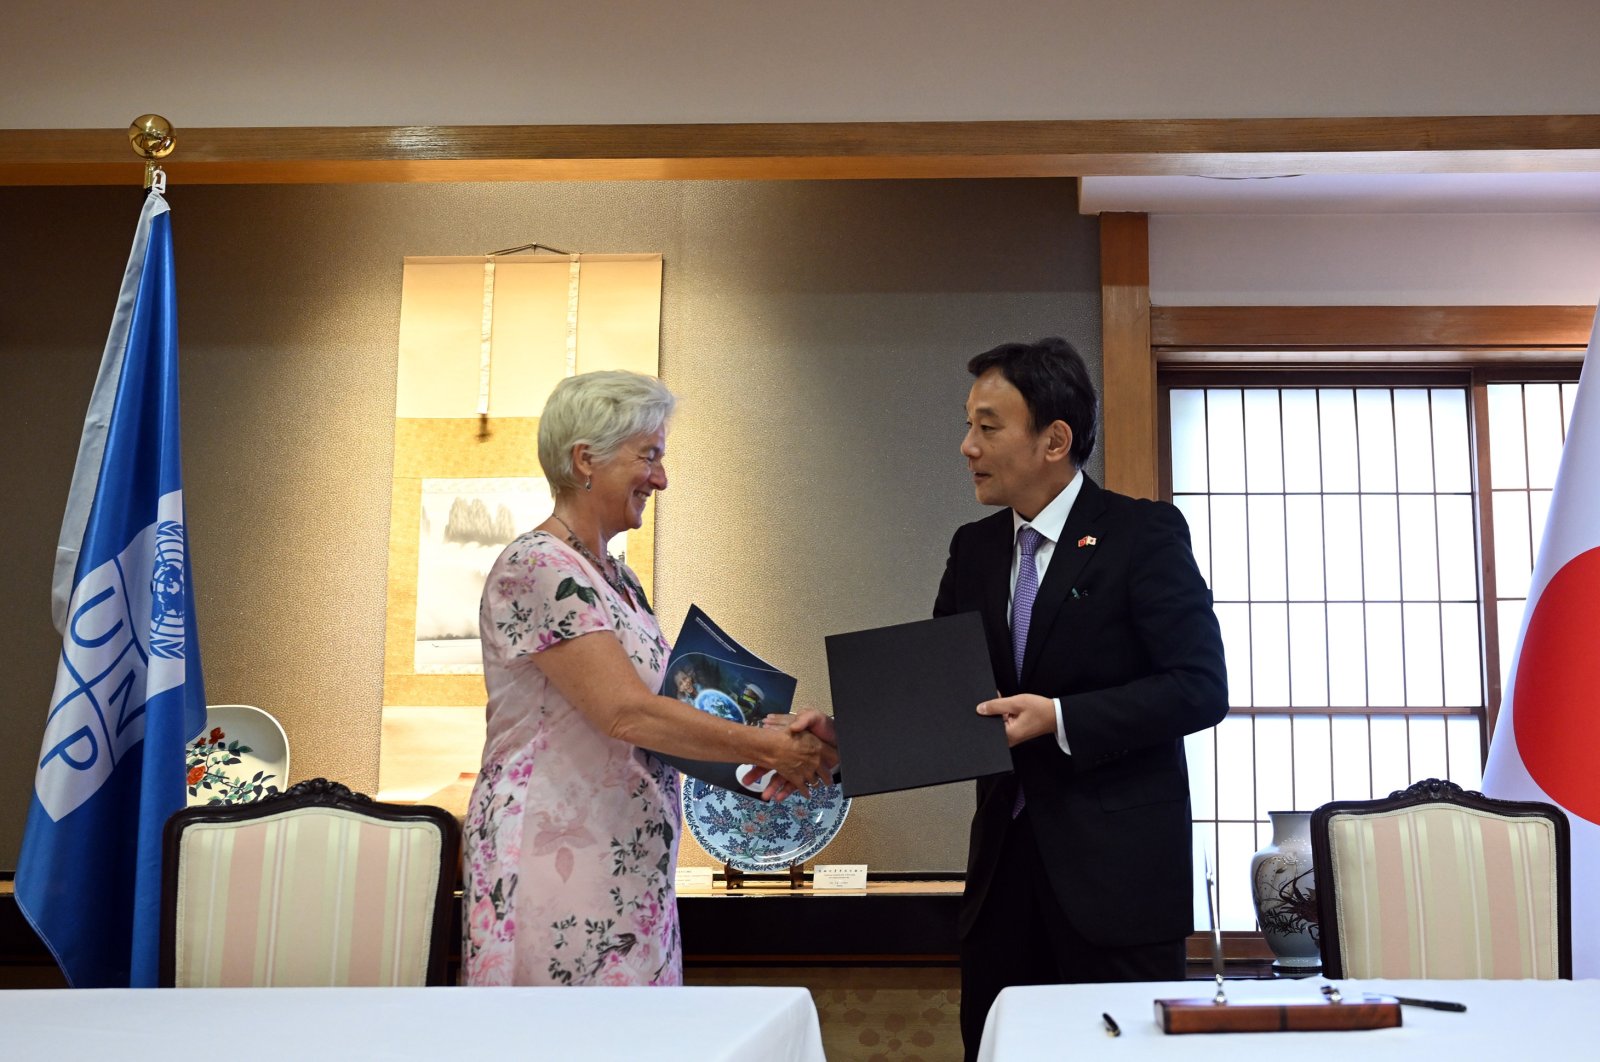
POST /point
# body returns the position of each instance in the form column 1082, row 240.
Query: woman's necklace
column 610, row 571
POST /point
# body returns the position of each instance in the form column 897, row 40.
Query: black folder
column 905, row 701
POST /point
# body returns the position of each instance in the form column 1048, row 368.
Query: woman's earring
column 588, row 483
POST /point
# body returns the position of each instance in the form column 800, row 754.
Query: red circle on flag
column 1555, row 714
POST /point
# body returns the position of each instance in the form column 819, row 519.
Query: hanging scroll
column 482, row 343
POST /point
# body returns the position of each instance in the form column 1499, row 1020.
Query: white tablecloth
column 291, row 1024
column 1505, row 1020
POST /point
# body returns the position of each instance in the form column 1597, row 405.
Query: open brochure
column 716, row 674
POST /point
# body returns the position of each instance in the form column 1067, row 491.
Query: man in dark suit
column 1105, row 653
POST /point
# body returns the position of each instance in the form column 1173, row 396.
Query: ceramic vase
column 1284, row 888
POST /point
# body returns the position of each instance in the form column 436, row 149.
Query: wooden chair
column 1437, row 882
column 315, row 886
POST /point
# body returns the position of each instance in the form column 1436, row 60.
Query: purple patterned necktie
column 1022, row 611
column 1027, row 589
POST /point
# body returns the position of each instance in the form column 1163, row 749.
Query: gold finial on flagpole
column 152, row 138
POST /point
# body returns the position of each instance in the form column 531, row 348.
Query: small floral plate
column 240, row 756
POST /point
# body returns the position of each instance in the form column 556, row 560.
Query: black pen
column 1431, row 1004
column 1111, row 1025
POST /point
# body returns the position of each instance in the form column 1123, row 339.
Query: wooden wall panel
column 1128, row 391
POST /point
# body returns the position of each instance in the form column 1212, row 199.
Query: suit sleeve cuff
column 1061, row 730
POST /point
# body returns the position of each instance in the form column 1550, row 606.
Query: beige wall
column 400, row 62
column 815, row 332
column 1470, row 259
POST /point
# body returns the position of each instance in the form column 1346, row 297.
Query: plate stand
column 734, row 877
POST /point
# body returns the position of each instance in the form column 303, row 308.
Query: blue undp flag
column 128, row 690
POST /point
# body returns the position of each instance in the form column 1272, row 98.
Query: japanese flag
column 1546, row 744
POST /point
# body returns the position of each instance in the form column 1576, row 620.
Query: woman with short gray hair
column 572, row 831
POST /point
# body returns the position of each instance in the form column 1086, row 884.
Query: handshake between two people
column 806, row 760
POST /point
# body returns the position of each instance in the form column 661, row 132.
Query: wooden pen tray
column 1312, row 1015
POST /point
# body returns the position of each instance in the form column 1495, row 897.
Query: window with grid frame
column 1338, row 526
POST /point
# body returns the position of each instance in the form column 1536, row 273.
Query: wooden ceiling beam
column 1233, row 147
column 1277, row 329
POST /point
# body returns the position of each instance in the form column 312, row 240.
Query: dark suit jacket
column 1122, row 631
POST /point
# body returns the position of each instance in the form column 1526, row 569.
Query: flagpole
column 153, row 139
column 129, row 691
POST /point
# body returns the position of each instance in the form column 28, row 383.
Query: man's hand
column 814, row 721
column 807, row 719
column 1027, row 716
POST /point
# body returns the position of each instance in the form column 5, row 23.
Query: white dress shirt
column 1050, row 522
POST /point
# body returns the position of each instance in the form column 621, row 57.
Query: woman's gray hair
column 603, row 409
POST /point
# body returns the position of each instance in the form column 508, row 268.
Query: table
column 159, row 1025
column 1504, row 1020
column 889, row 921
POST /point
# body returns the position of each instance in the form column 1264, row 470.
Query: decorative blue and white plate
column 749, row 834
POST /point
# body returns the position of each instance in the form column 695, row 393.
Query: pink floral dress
column 571, row 835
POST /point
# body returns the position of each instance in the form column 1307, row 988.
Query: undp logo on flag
column 166, row 592
column 124, row 645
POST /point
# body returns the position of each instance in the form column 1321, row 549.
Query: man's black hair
column 1054, row 383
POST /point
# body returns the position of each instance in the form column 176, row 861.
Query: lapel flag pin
column 1087, row 540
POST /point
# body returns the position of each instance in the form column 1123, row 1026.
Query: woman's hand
column 805, row 720
column 801, row 759
column 808, row 719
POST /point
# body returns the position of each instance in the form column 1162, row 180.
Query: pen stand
column 733, row 877
column 1209, row 1016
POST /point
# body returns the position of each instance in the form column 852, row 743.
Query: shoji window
column 1337, row 527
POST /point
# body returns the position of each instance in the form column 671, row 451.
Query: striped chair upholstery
column 319, row 886
column 1436, row 882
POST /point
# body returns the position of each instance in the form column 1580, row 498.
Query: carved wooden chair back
column 316, row 886
column 1439, row 882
